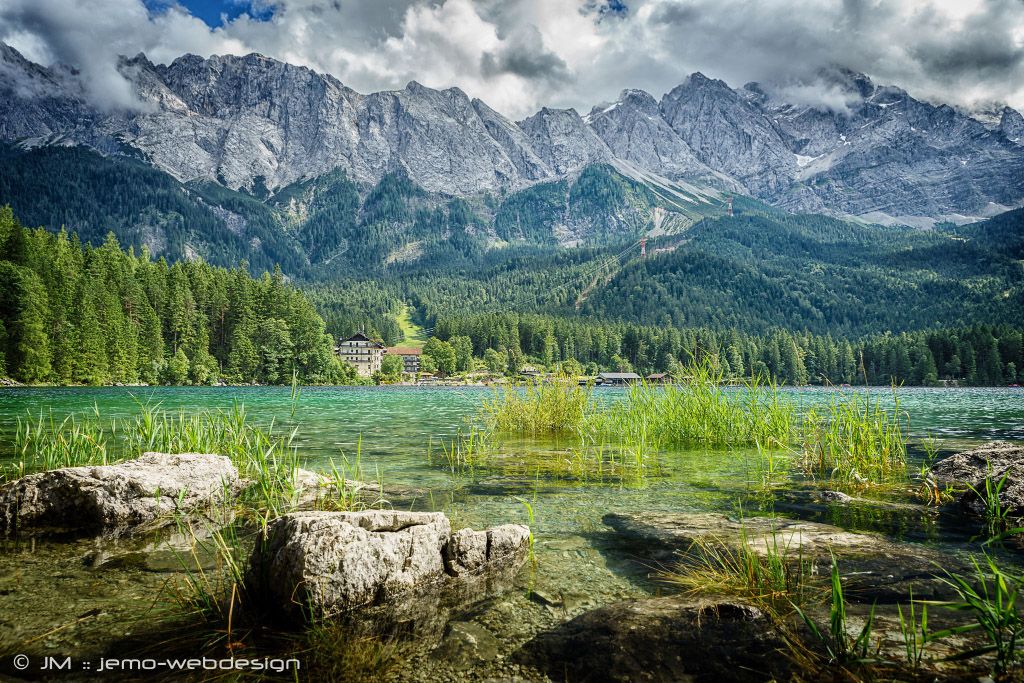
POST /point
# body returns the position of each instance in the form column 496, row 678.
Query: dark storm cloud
column 984, row 48
column 961, row 51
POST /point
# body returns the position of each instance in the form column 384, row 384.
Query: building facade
column 410, row 358
column 363, row 353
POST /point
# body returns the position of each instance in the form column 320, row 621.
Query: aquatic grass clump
column 46, row 444
column 702, row 411
column 842, row 647
column 540, row 408
column 991, row 598
column 267, row 461
column 213, row 581
column 619, row 441
column 769, row 574
column 856, row 441
column 466, row 452
column 914, row 630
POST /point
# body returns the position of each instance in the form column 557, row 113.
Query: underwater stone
column 1000, row 462
column 677, row 638
column 835, row 497
column 665, row 534
column 331, row 563
column 973, row 466
column 466, row 645
column 140, row 494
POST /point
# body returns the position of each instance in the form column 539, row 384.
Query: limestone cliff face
column 252, row 122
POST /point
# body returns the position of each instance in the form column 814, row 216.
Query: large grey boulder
column 676, row 638
column 327, row 564
column 139, row 494
column 1000, row 462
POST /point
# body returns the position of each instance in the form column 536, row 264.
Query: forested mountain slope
column 759, row 270
column 72, row 313
column 810, row 272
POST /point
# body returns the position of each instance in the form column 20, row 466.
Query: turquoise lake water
column 46, row 584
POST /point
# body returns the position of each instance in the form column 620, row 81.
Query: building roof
column 658, row 375
column 403, row 351
column 361, row 337
column 619, row 375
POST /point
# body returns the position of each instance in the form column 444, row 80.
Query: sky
column 520, row 55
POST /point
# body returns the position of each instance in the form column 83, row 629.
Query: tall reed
column 269, row 461
column 856, row 440
column 540, row 408
column 46, row 444
column 702, row 411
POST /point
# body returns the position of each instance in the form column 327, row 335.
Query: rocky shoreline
column 406, row 574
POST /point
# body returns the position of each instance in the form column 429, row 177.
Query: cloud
column 525, row 55
column 518, row 55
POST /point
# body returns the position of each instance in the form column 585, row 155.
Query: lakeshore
column 90, row 598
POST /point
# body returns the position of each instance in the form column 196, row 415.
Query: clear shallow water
column 49, row 585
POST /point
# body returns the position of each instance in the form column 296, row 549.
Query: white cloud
column 521, row 54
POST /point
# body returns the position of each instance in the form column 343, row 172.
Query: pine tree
column 91, row 365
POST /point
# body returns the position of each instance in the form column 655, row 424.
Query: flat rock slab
column 874, row 568
column 331, row 563
column 656, row 640
column 673, row 533
column 135, row 495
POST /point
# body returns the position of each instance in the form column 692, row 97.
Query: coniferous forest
column 804, row 299
column 980, row 355
column 71, row 313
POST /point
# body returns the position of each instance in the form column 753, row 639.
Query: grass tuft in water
column 990, row 597
column 269, row 461
column 701, row 411
column 855, row 441
column 770, row 574
column 46, row 444
column 541, row 408
column 914, row 630
column 842, row 647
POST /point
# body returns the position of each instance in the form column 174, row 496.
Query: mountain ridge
column 256, row 124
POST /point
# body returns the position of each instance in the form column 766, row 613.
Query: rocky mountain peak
column 1011, row 123
column 563, row 140
column 252, row 121
column 846, row 80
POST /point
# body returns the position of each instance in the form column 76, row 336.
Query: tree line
column 71, row 313
column 981, row 355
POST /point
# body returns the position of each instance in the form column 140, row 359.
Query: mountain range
column 258, row 148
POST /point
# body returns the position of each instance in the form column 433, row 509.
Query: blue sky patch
column 212, row 11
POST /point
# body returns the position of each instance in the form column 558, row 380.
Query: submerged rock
column 466, row 644
column 676, row 638
column 665, row 534
column 973, row 466
column 874, row 567
column 139, row 494
column 313, row 489
column 1000, row 462
column 835, row 497
column 332, row 563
